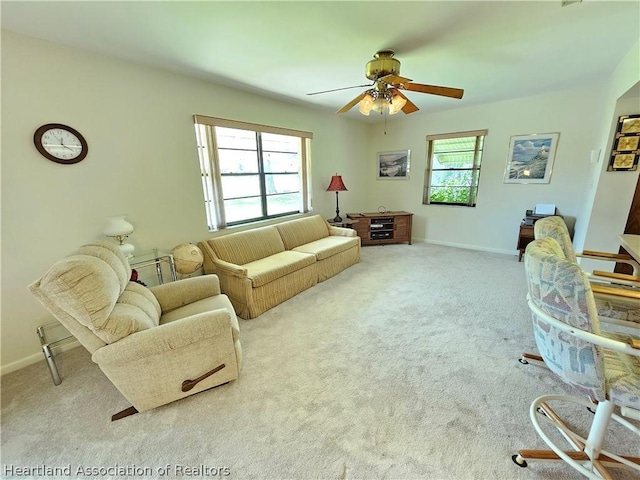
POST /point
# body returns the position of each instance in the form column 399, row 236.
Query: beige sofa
column 262, row 267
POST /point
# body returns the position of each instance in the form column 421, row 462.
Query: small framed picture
column 623, row 161
column 394, row 165
column 530, row 158
column 626, row 145
column 630, row 124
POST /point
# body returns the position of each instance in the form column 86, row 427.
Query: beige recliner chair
column 155, row 344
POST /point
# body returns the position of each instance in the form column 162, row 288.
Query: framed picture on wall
column 530, row 158
column 626, row 145
column 394, row 165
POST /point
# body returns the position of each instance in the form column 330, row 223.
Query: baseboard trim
column 473, row 247
column 34, row 358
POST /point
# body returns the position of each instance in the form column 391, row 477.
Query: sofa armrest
column 226, row 268
column 167, row 338
column 183, row 292
column 342, row 232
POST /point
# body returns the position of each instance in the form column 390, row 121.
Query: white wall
column 614, row 191
column 609, row 203
column 493, row 224
column 142, row 161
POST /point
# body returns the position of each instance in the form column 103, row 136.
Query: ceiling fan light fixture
column 397, row 102
column 380, row 103
column 366, row 104
column 385, row 95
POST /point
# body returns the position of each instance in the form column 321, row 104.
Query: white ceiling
column 286, row 49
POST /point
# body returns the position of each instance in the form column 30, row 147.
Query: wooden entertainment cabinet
column 381, row 228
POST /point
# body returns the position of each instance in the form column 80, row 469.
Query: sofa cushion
column 328, row 247
column 275, row 266
column 248, row 246
column 303, row 230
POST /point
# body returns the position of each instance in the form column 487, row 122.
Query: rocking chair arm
column 604, row 255
column 616, row 292
column 623, row 347
column 611, row 257
column 613, row 277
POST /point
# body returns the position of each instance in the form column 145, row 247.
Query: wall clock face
column 60, row 143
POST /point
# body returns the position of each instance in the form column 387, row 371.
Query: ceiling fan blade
column 343, row 88
column 433, row 89
column 350, row 105
column 394, row 79
column 409, row 107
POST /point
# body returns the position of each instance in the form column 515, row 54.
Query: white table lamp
column 117, row 227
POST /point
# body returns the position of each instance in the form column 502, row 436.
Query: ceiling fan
column 387, row 84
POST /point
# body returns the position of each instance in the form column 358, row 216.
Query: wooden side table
column 525, row 237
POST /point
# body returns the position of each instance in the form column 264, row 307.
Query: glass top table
column 155, row 257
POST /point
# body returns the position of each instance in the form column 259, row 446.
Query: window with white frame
column 251, row 172
column 453, row 168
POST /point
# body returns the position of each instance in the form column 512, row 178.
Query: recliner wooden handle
column 189, row 384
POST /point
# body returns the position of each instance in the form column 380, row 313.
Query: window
column 251, row 172
column 453, row 168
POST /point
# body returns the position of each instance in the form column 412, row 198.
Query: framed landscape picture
column 626, row 145
column 394, row 165
column 530, row 158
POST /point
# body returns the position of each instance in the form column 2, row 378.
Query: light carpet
column 403, row 366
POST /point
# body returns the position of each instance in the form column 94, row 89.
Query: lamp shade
column 396, row 104
column 380, row 104
column 366, row 104
column 336, row 185
column 117, row 226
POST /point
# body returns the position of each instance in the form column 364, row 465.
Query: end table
column 157, row 258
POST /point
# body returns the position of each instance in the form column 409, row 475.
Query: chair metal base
column 587, row 456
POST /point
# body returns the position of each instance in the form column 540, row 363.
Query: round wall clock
column 60, row 143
